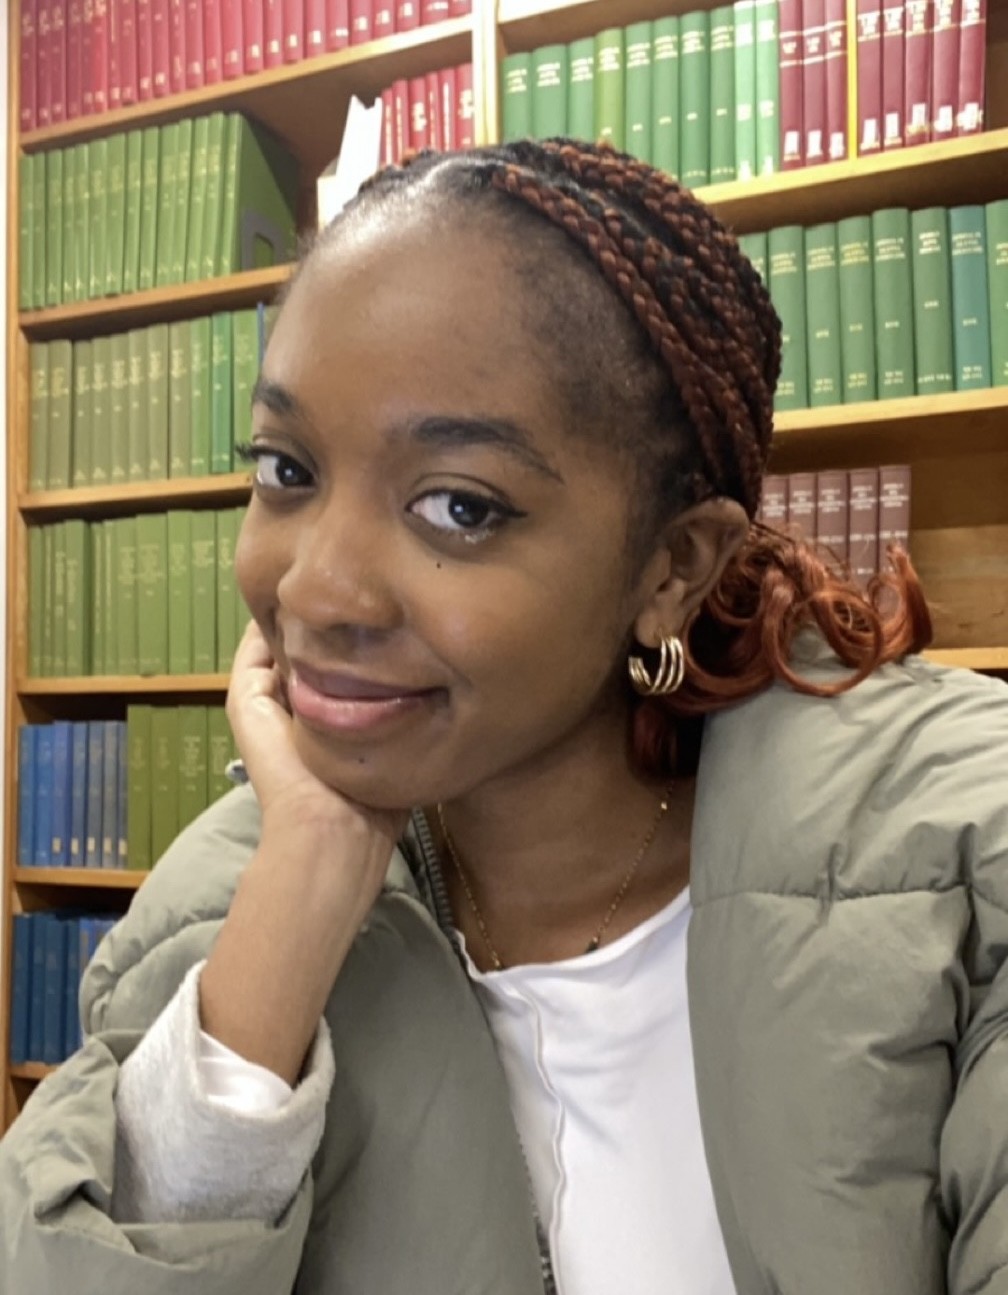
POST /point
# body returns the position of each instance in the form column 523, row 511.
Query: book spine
column 407, row 15
column 164, row 779
column 549, row 91
column 822, row 316
column 459, row 8
column 773, row 504
column 115, row 226
column 199, row 391
column 179, row 400
column 893, row 282
column 516, row 96
column 917, row 71
column 57, row 61
column 26, row 795
column 932, row 301
column 42, row 117
column 832, row 521
column 54, row 227
column 180, row 609
column 432, row 11
column 792, row 130
column 837, row 109
column 253, row 36
column 156, row 336
column 54, row 990
column 81, row 419
column 972, row 65
column 768, row 115
column 110, row 794
column 152, row 592
column 132, row 203
column 150, row 170
column 894, row 508
column 213, row 44
column 48, row 635
column 813, row 47
column 96, row 612
column 183, row 199
column 754, row 247
column 892, row 74
column 970, row 308
column 232, row 39
column 435, row 120
column 114, row 57
column 419, row 125
column 746, row 164
column 864, row 523
column 465, row 107
column 136, row 390
column 27, row 106
column 786, row 256
column 110, row 601
column 39, row 209
column 78, row 794
column 42, row 850
column 610, row 88
column 67, row 202
column 36, row 1008
column 857, row 309
column 447, row 95
column 27, row 231
column 272, row 33
column 72, row 1036
column 211, row 233
column 293, row 30
column 36, row 599
column 197, row 201
column 23, row 930
column 78, row 597
column 177, row 53
column 945, row 68
column 127, row 650
column 639, row 51
column 338, row 24
column 38, row 440
column 996, row 220
column 97, row 215
column 145, row 50
column 74, row 59
column 722, row 86
column 221, row 385
column 695, row 98
column 664, row 99
column 138, row 803
column 227, row 594
column 203, row 575
column 99, row 79
column 166, row 203
column 388, row 129
column 129, row 76
column 160, row 11
column 801, row 505
column 194, row 58
column 192, row 769
column 59, row 453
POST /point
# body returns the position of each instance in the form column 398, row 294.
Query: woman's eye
column 274, row 470
column 462, row 513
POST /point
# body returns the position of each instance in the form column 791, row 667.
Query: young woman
column 527, row 693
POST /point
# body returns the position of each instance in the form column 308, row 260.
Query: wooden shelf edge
column 978, row 658
column 179, row 490
column 96, row 685
column 33, row 1070
column 798, row 422
column 82, row 878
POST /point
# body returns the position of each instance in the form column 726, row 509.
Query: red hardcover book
column 432, row 11
column 114, row 56
column 337, row 24
column 400, row 120
column 869, row 75
column 832, row 524
column 176, row 46
column 26, row 115
column 74, row 67
column 160, row 47
column 407, row 15
column 814, row 81
column 213, row 43
column 892, row 74
column 195, row 73
column 791, row 116
column 99, row 55
column 232, row 39
column 272, row 33
column 361, row 22
column 253, row 34
column 388, row 127
column 945, row 68
column 126, row 19
column 419, row 129
column 864, row 523
column 465, row 107
column 459, row 8
column 145, row 49
column 917, row 71
column 435, row 126
column 42, row 62
column 57, row 60
column 446, row 92
column 293, row 31
column 383, row 19
column 972, row 63
column 315, row 20
column 836, row 80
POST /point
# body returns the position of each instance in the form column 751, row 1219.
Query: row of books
column 432, row 111
column 160, row 402
column 855, row 515
column 51, row 952
column 114, row 794
column 147, row 208
column 897, row 303
column 153, row 594
column 80, row 59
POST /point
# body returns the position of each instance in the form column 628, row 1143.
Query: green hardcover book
column 259, row 203
column 167, row 204
column 136, row 409
column 221, row 392
column 54, row 227
column 665, row 96
column 932, row 301
column 767, row 88
column 58, row 452
column 970, row 309
column 39, row 276
column 197, row 200
column 149, row 208
column 222, row 751
column 98, row 215
column 78, row 597
column 754, row 247
column 639, row 44
column 200, row 346
column 58, row 601
column 210, row 234
column 694, row 99
column 26, row 231
column 38, row 435
column 110, row 598
column 722, row 90
column 610, row 88
column 180, row 608
column 96, row 611
column 549, row 91
column 36, row 600
column 133, row 211
column 581, row 89
column 242, row 613
column 227, row 615
column 746, row 158
column 48, row 636
column 164, row 779
column 996, row 221
column 183, row 199
column 82, row 223
column 857, row 308
column 139, row 793
column 69, row 207
column 179, row 400
column 245, row 371
column 125, row 545
column 893, row 281
column 193, row 760
column 101, row 408
column 203, row 575
column 822, row 316
column 786, row 257
column 118, row 435
column 516, row 96
column 152, row 592
column 82, row 424
column 115, row 228
column 157, row 401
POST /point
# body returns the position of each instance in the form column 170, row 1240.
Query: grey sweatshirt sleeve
column 181, row 1154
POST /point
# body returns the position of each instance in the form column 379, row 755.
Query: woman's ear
column 692, row 551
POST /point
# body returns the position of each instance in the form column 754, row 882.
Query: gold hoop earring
column 669, row 675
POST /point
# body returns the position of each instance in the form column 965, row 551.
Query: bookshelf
column 957, row 444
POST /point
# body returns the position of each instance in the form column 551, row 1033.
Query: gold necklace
column 624, row 885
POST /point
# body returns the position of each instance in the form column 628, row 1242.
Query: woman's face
column 436, row 559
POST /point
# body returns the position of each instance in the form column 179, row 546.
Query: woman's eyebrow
column 277, row 399
column 456, row 431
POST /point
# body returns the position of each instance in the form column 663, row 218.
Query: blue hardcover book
column 93, row 815
column 36, row 989
column 123, row 796
column 21, row 988
column 62, row 771
column 78, row 793
column 71, row 1013
column 110, row 794
column 43, row 795
column 26, row 796
column 54, row 994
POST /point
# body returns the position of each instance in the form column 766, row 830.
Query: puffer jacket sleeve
column 57, row 1162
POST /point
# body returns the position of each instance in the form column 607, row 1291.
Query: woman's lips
column 345, row 703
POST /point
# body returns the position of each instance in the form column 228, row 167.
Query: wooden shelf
column 33, row 1070
column 178, row 301
column 304, row 103
column 980, row 658
column 82, row 878
column 525, row 24
column 137, row 496
column 131, row 685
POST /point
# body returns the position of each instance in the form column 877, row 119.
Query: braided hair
column 692, row 358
